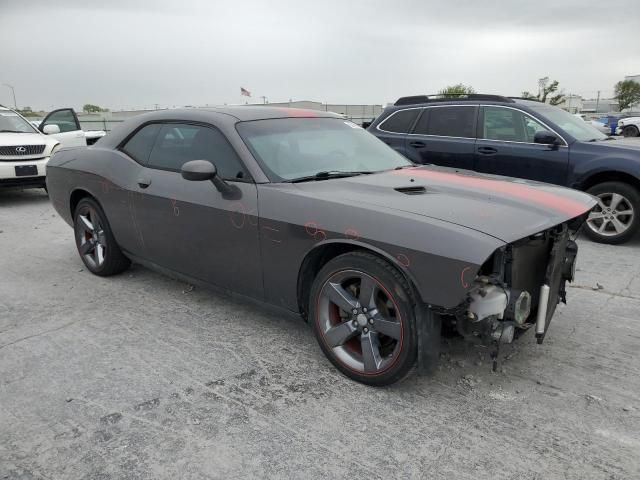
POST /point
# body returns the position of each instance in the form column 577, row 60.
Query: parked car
column 629, row 127
column 24, row 151
column 91, row 136
column 598, row 125
column 63, row 125
column 526, row 139
column 306, row 211
column 611, row 121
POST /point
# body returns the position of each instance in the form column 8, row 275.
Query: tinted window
column 448, row 122
column 139, row 146
column 64, row 119
column 509, row 125
column 177, row 144
column 401, row 121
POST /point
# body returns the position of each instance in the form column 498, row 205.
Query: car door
column 189, row 227
column 505, row 146
column 70, row 133
column 444, row 135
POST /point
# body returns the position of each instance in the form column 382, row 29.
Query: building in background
column 571, row 103
column 603, row 105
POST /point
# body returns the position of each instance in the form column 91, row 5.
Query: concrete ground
column 138, row 376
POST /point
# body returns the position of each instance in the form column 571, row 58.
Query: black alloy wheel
column 363, row 318
column 97, row 247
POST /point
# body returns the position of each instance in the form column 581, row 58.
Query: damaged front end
column 519, row 287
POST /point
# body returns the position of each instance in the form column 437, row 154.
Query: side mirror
column 50, row 129
column 198, row 170
column 546, row 137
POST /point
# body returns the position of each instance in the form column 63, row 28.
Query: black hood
column 505, row 208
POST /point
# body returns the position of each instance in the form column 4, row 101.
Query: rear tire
column 616, row 218
column 362, row 312
column 95, row 242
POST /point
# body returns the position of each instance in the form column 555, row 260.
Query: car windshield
column 12, row 122
column 575, row 126
column 293, row 148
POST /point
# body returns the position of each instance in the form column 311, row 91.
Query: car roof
column 475, row 99
column 247, row 113
column 227, row 116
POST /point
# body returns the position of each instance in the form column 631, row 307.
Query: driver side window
column 65, row 120
column 509, row 125
column 178, row 143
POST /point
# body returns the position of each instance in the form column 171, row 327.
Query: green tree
column 627, row 92
column 456, row 90
column 545, row 89
column 90, row 108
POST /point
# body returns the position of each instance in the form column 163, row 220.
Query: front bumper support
column 559, row 269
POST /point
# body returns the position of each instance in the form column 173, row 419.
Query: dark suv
column 526, row 139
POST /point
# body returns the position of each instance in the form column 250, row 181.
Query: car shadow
column 15, row 197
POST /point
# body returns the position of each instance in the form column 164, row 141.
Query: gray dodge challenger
column 308, row 212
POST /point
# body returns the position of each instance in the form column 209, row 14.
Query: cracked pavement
column 137, row 376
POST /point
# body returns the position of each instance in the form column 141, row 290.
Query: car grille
column 17, row 150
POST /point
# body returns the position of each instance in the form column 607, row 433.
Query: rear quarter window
column 140, row 145
column 400, row 121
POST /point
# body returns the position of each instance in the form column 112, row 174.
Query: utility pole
column 264, row 99
column 13, row 91
column 598, row 101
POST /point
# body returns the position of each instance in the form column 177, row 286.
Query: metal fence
column 103, row 124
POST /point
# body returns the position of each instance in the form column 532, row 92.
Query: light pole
column 13, row 91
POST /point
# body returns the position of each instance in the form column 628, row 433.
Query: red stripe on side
column 565, row 205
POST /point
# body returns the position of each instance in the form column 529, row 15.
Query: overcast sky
column 136, row 53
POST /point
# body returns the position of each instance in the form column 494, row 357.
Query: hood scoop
column 417, row 190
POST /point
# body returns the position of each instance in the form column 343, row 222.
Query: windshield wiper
column 12, row 131
column 326, row 176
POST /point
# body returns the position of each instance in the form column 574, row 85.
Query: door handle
column 487, row 150
column 144, row 182
column 417, row 144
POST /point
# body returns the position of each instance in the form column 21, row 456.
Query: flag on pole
column 245, row 92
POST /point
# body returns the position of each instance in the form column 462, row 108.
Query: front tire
column 363, row 318
column 616, row 218
column 630, row 131
column 95, row 242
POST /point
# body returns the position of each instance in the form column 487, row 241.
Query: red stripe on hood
column 520, row 191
